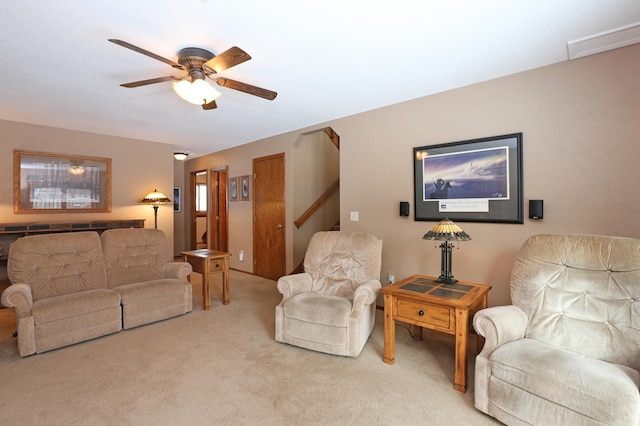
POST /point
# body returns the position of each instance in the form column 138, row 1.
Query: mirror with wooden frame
column 60, row 183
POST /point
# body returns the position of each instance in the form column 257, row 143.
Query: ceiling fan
column 200, row 64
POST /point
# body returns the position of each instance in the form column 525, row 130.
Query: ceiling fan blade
column 246, row 88
column 146, row 52
column 150, row 81
column 227, row 59
column 210, row 105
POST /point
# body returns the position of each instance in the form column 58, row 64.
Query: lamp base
column 446, row 280
column 446, row 277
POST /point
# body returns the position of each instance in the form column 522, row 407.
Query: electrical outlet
column 391, row 279
column 353, row 216
column 241, row 256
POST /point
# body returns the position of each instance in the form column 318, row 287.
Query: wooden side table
column 204, row 262
column 422, row 301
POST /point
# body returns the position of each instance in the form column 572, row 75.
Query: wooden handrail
column 335, row 138
column 315, row 206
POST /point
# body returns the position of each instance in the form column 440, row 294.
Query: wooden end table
column 204, row 262
column 422, row 301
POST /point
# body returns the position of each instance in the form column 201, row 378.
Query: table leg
column 389, row 356
column 479, row 338
column 415, row 331
column 225, row 283
column 186, row 259
column 462, row 334
column 206, row 289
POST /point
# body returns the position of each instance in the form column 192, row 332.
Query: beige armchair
column 567, row 352
column 331, row 306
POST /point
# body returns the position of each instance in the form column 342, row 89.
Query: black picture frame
column 177, row 199
column 478, row 180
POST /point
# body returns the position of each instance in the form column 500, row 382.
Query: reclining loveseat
column 71, row 287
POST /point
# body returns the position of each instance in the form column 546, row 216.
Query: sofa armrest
column 499, row 325
column 290, row 285
column 365, row 295
column 18, row 296
column 178, row 270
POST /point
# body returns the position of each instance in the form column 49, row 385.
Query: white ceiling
column 326, row 59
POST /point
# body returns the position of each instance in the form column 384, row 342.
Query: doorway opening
column 218, row 234
column 316, row 188
column 198, row 189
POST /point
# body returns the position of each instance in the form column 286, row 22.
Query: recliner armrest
column 499, row 325
column 18, row 296
column 365, row 295
column 290, row 285
column 178, row 270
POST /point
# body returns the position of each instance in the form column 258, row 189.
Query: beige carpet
column 223, row 367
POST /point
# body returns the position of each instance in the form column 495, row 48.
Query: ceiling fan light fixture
column 198, row 92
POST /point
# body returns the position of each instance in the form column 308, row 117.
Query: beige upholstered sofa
column 567, row 352
column 331, row 306
column 71, row 287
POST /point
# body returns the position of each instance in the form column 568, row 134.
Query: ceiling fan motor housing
column 192, row 59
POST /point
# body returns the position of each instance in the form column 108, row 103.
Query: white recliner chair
column 331, row 306
column 567, row 351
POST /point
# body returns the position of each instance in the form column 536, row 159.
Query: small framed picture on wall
column 177, row 199
column 244, row 188
column 233, row 189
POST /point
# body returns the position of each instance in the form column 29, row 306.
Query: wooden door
column 269, row 255
column 218, row 223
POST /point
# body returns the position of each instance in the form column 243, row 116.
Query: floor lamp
column 155, row 198
column 446, row 231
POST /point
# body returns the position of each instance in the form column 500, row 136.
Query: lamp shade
column 198, row 92
column 155, row 197
column 446, row 230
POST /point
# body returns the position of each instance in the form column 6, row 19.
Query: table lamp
column 446, row 231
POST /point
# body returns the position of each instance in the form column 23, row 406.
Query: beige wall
column 138, row 167
column 580, row 122
column 239, row 161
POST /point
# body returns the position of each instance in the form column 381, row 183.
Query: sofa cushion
column 73, row 318
column 57, row 264
column 134, row 255
column 151, row 301
column 72, row 305
column 595, row 388
column 148, row 290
